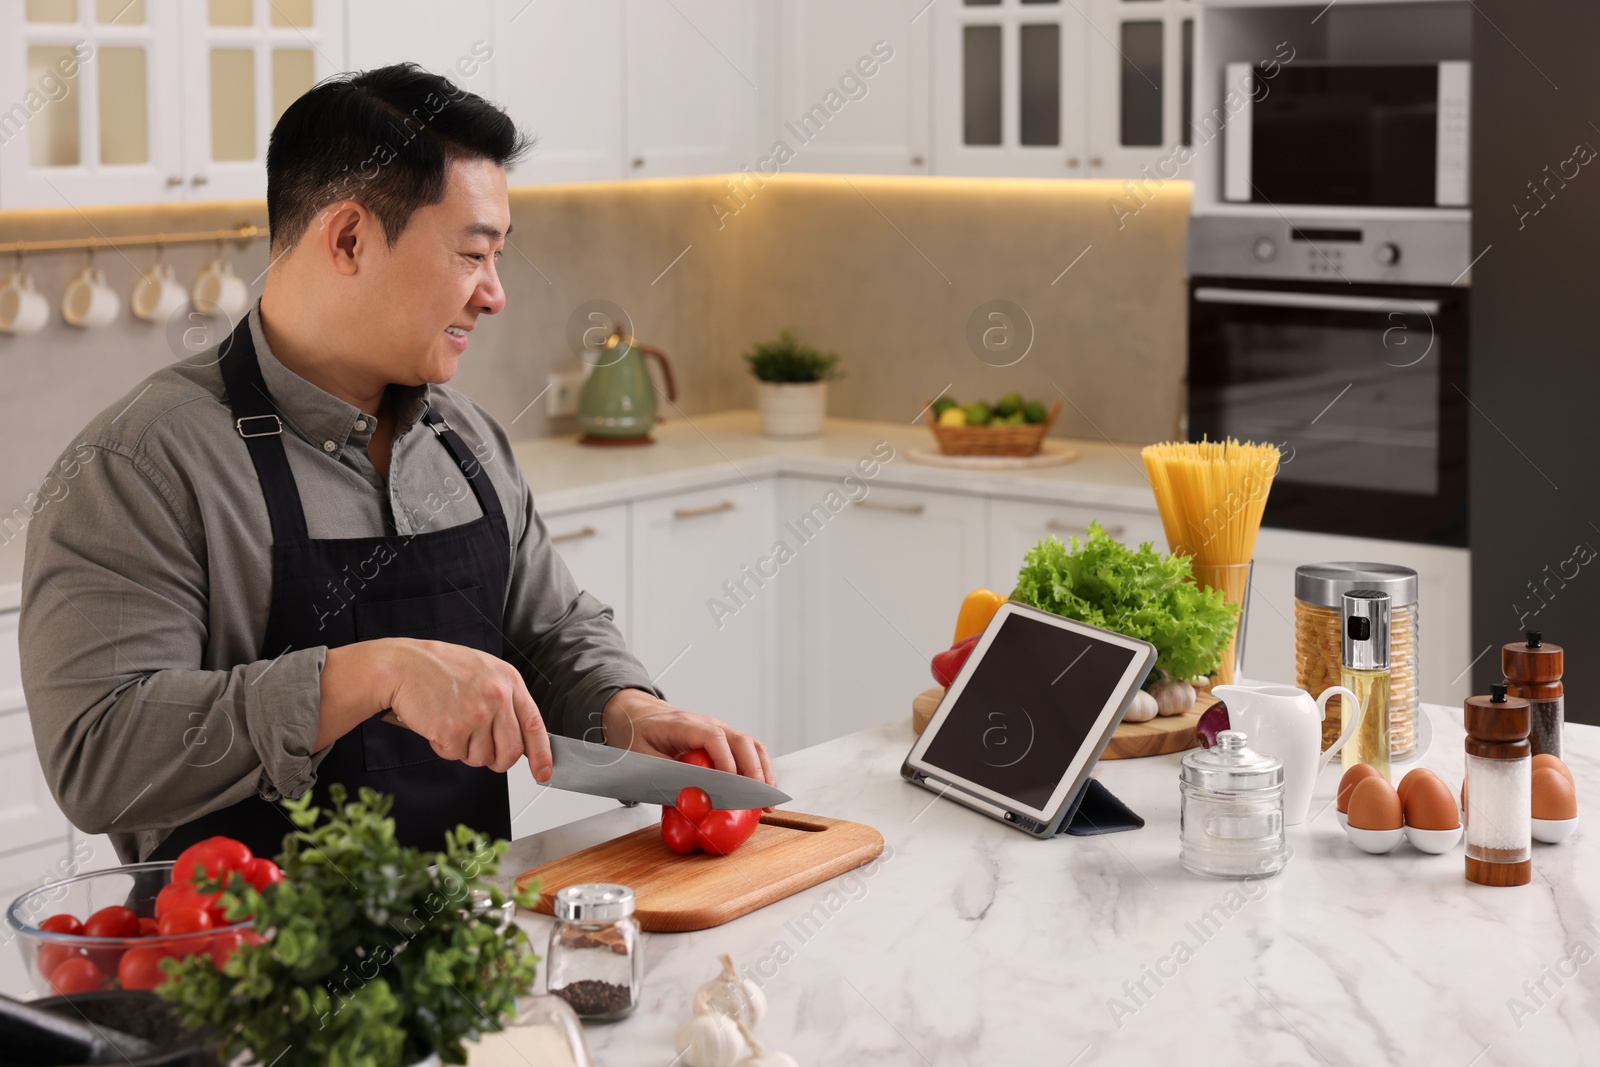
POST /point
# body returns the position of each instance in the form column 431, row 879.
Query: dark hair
column 382, row 137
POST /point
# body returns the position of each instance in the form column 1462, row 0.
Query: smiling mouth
column 455, row 331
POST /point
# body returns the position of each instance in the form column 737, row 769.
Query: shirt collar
column 319, row 416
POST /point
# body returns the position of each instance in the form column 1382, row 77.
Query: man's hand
column 471, row 706
column 636, row 720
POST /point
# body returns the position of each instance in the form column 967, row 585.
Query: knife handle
column 387, row 715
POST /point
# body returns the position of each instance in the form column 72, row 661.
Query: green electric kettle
column 617, row 405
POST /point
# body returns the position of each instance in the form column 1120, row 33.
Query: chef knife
column 634, row 778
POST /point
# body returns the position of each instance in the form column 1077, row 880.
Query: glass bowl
column 134, row 887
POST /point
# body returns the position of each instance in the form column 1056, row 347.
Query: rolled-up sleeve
column 134, row 733
column 563, row 639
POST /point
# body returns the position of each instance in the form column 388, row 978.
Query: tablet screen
column 1028, row 708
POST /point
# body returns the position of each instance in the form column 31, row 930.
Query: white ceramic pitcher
column 1285, row 722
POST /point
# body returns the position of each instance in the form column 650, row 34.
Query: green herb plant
column 1137, row 592
column 788, row 359
column 371, row 958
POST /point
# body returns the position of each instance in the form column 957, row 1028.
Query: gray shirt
column 148, row 578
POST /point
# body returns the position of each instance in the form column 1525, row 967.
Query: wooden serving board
column 1159, row 736
column 788, row 852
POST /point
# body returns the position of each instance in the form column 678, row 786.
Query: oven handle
column 1207, row 294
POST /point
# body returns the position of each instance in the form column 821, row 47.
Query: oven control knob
column 1387, row 254
column 1266, row 249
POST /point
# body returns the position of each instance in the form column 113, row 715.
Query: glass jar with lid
column 1231, row 820
column 1319, row 590
column 594, row 963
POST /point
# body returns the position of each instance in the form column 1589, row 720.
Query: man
column 269, row 546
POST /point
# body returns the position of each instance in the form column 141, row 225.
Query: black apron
column 446, row 585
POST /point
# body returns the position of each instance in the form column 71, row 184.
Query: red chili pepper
column 947, row 664
column 694, row 824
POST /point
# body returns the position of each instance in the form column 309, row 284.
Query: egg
column 1428, row 802
column 1347, row 783
column 1412, row 777
column 1374, row 805
column 1553, row 796
column 1544, row 759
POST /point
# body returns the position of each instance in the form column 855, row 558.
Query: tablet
column 1022, row 725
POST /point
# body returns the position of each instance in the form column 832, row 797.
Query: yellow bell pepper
column 976, row 611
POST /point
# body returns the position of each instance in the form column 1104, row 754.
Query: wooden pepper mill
column 1499, row 789
column 1533, row 672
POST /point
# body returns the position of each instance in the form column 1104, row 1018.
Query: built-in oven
column 1305, row 337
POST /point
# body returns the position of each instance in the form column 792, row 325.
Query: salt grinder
column 1499, row 789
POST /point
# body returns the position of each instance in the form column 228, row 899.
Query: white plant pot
column 792, row 409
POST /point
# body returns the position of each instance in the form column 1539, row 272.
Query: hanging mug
column 157, row 294
column 218, row 291
column 89, row 302
column 22, row 309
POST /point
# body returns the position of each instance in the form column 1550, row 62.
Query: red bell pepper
column 693, row 824
column 947, row 664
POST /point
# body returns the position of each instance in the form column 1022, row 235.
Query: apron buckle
column 277, row 427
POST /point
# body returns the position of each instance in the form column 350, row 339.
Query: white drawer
column 10, row 663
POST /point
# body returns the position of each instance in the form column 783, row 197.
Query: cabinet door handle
column 709, row 509
column 1057, row 526
column 1072, row 161
column 573, row 535
column 638, row 161
column 198, row 179
column 1095, row 161
column 174, row 179
column 916, row 161
column 904, row 509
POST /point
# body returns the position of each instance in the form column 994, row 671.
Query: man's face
column 428, row 288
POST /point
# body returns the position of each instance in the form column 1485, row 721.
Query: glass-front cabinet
column 140, row 101
column 1060, row 88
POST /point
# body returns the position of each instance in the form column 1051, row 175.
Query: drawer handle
column 573, row 535
column 904, row 509
column 709, row 509
column 1057, row 526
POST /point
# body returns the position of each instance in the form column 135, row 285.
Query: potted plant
column 791, row 385
column 370, row 953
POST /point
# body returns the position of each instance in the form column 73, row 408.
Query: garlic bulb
column 709, row 1038
column 1173, row 697
column 734, row 995
column 760, row 1056
column 1143, row 708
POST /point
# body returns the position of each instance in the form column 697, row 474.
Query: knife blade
column 600, row 770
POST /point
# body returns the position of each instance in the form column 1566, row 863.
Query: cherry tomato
column 77, row 975
column 678, row 832
column 113, row 921
column 53, row 956
column 63, row 924
column 224, row 945
column 723, row 831
column 185, row 921
column 140, row 968
column 694, row 803
column 176, row 895
column 148, row 927
column 262, row 872
column 214, row 857
column 698, row 757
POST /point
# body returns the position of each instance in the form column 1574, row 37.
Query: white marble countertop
column 972, row 943
column 700, row 451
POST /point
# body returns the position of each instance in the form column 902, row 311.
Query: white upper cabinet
column 1010, row 81
column 853, row 86
column 558, row 70
column 128, row 101
column 692, row 85
column 463, row 49
column 1140, row 61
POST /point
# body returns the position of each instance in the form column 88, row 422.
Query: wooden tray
column 788, row 852
column 1159, row 736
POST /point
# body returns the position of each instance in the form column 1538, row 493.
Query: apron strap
column 488, row 499
column 256, row 419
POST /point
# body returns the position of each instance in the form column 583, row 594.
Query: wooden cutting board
column 1159, row 736
column 788, row 852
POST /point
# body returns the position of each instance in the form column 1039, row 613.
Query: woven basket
column 1023, row 440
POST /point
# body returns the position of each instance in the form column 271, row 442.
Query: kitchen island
column 971, row 943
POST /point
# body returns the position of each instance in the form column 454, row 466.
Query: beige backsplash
column 885, row 271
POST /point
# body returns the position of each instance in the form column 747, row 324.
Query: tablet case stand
column 1098, row 811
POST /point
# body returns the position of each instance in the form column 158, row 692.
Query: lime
column 941, row 405
column 1008, row 405
column 1034, row 411
column 977, row 413
column 953, row 416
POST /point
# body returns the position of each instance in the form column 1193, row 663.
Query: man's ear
column 343, row 234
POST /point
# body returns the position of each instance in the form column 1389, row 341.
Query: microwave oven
column 1350, row 134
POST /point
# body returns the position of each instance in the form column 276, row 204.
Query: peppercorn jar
column 594, row 962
